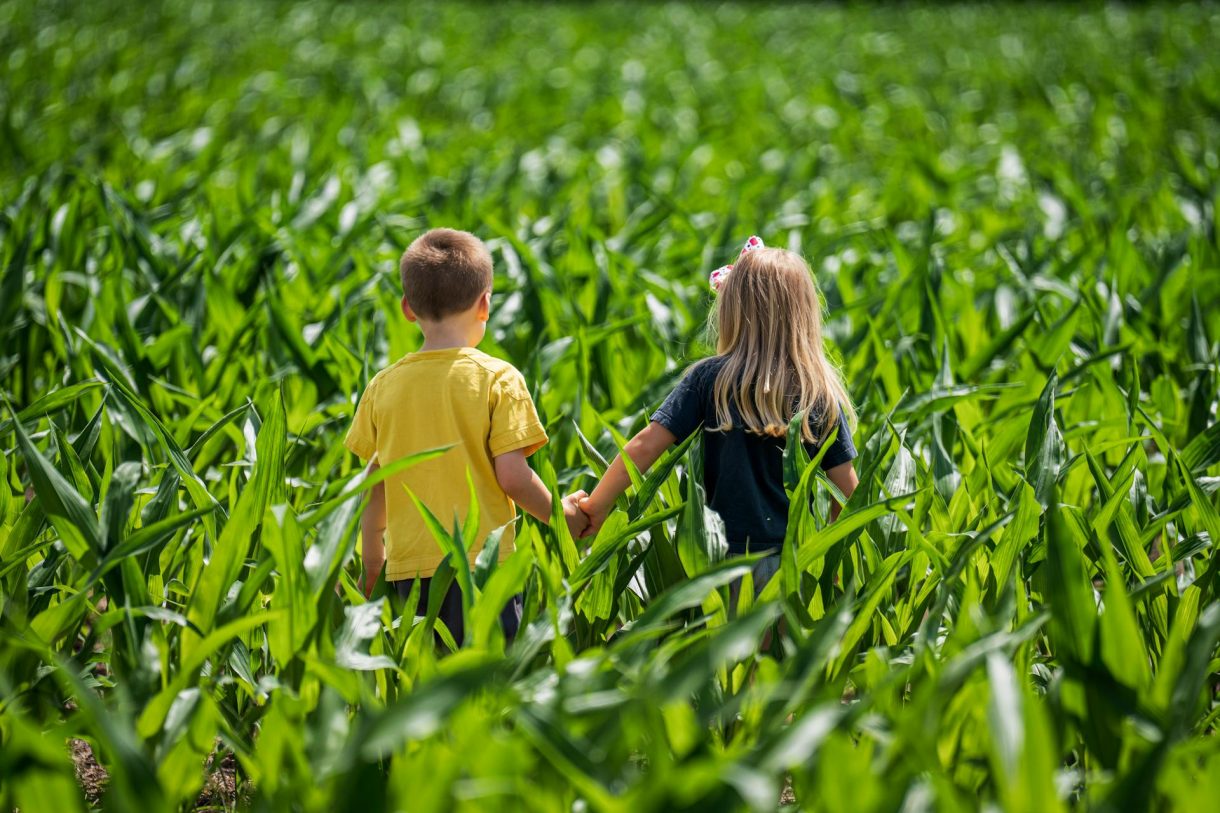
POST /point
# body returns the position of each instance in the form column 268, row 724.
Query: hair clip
column 721, row 274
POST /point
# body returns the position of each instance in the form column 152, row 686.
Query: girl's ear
column 484, row 312
column 407, row 312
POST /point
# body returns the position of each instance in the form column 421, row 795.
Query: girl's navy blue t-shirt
column 743, row 473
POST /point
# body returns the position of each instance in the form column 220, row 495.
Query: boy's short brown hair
column 444, row 271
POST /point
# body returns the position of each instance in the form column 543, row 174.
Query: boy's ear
column 484, row 311
column 407, row 312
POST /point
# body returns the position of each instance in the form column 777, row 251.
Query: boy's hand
column 596, row 515
column 578, row 523
column 372, row 536
column 368, row 581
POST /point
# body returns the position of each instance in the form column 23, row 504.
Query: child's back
column 458, row 397
column 743, row 471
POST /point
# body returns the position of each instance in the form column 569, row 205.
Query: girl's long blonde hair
column 768, row 322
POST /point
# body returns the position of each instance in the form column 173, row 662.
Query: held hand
column 578, row 523
column 596, row 517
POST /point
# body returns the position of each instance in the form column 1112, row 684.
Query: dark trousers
column 451, row 608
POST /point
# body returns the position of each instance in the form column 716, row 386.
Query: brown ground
column 91, row 776
column 219, row 789
column 786, row 796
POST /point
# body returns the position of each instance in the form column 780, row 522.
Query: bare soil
column 89, row 773
column 220, row 789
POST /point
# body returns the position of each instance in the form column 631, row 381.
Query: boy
column 448, row 393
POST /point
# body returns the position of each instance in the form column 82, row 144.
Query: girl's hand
column 578, row 523
column 596, row 514
column 643, row 449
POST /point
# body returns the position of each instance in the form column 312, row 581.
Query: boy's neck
column 449, row 334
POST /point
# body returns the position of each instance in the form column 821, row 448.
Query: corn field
column 1011, row 212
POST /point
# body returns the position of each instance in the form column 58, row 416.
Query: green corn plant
column 1014, row 235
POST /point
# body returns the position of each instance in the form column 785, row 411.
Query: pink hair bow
column 721, row 274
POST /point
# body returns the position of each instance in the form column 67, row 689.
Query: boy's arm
column 845, row 479
column 372, row 534
column 526, row 489
column 643, row 449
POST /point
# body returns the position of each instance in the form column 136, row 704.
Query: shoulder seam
column 492, row 364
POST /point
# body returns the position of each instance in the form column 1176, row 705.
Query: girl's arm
column 643, row 449
column 845, row 479
column 372, row 534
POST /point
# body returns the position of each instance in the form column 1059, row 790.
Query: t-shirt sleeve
column 682, row 412
column 362, row 436
column 842, row 450
column 514, row 420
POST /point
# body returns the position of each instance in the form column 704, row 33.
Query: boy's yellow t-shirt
column 434, row 398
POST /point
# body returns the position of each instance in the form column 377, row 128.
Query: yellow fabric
column 428, row 399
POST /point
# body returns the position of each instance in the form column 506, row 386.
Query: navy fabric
column 743, row 473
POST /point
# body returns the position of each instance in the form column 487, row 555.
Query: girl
column 769, row 365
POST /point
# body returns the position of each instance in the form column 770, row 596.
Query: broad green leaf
column 692, row 592
column 1070, row 593
column 188, row 672
column 612, row 539
column 422, row 713
column 49, row 403
column 736, row 641
column 1203, row 451
column 1044, row 444
column 66, row 509
column 233, row 545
